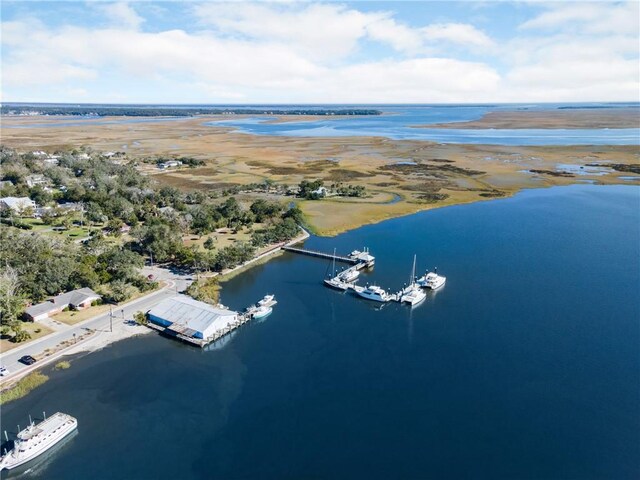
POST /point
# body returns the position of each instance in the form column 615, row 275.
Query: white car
column 3, row 371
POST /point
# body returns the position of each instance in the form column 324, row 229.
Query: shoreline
column 98, row 339
column 551, row 119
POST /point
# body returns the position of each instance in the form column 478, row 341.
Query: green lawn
column 35, row 329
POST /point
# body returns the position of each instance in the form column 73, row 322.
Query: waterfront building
column 192, row 318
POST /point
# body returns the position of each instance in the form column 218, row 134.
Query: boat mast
column 412, row 279
column 334, row 263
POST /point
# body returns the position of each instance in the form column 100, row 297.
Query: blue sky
column 312, row 52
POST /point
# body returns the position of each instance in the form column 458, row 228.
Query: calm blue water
column 526, row 365
column 398, row 123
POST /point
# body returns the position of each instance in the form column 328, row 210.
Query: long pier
column 328, row 256
column 359, row 260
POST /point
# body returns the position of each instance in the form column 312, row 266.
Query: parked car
column 27, row 360
column 3, row 371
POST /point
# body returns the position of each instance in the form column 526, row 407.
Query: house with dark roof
column 76, row 299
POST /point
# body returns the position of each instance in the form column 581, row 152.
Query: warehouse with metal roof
column 186, row 316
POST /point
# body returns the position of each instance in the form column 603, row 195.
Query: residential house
column 76, row 299
column 16, row 204
column 37, row 179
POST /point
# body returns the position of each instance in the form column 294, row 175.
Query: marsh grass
column 23, row 387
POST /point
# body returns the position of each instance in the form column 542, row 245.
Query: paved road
column 176, row 282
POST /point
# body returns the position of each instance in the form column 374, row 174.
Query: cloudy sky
column 310, row 52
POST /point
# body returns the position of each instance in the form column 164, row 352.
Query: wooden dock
column 202, row 342
column 360, row 261
column 181, row 332
column 328, row 256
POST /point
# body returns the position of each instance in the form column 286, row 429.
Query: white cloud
column 122, row 15
column 319, row 30
column 399, row 36
column 306, row 53
column 591, row 17
column 459, row 33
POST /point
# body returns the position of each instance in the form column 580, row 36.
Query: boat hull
column 263, row 314
column 336, row 286
column 9, row 462
column 373, row 298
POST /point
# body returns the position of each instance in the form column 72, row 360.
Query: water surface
column 525, row 365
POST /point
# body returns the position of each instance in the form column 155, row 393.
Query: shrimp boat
column 37, row 439
column 412, row 294
column 432, row 280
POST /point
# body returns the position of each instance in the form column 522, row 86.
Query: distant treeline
column 133, row 111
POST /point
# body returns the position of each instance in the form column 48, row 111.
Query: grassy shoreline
column 22, row 387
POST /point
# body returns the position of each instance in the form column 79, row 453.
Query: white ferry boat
column 432, row 280
column 375, row 293
column 37, row 439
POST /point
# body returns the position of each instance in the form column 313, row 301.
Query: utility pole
column 110, row 318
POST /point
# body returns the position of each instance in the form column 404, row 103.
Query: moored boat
column 349, row 275
column 432, row 280
column 37, row 439
column 375, row 293
column 412, row 294
column 267, row 301
column 336, row 283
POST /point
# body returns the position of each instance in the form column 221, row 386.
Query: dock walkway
column 328, row 256
column 358, row 259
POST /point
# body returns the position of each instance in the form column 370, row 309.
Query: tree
column 140, row 318
column 309, row 189
column 159, row 239
column 120, row 291
column 20, row 335
column 209, row 243
column 294, row 213
column 11, row 300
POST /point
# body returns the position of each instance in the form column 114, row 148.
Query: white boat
column 413, row 294
column 375, row 293
column 336, row 283
column 267, row 301
column 349, row 275
column 432, row 280
column 37, row 439
column 261, row 311
column 339, row 282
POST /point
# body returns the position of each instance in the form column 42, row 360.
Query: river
column 525, row 365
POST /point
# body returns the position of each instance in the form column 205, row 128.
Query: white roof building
column 16, row 204
column 190, row 317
